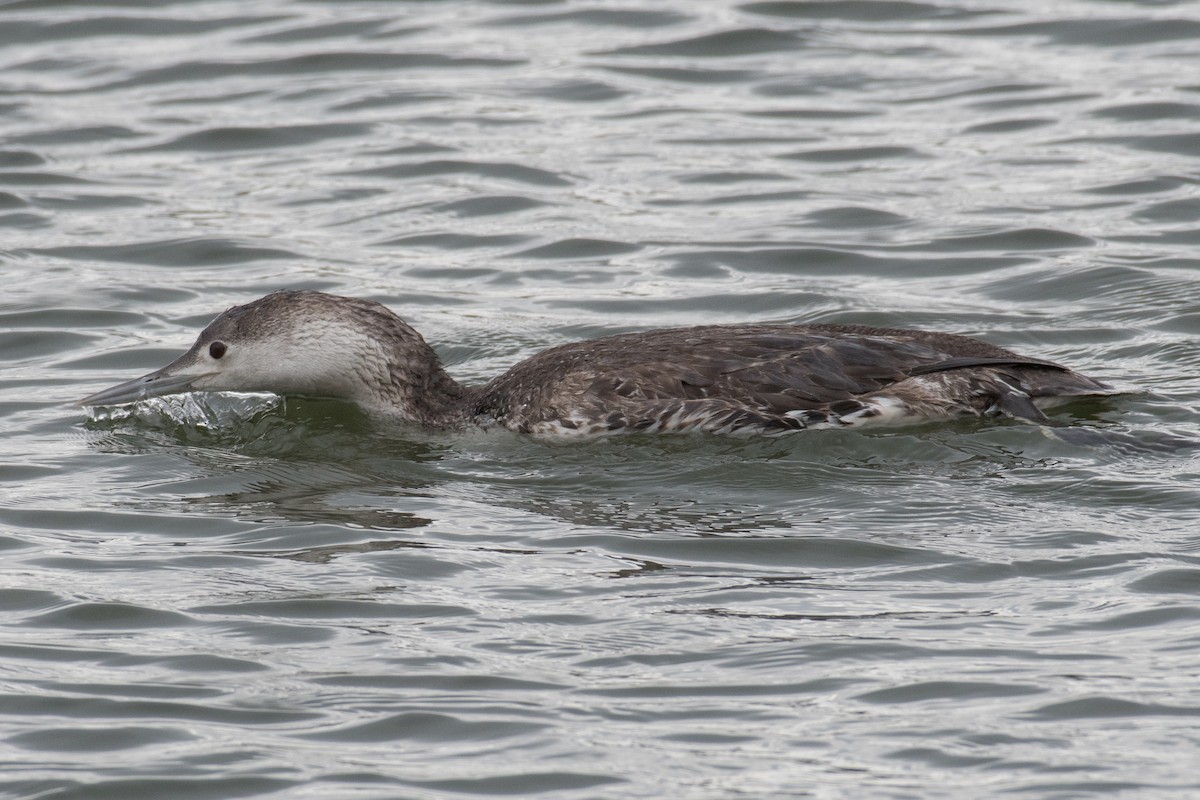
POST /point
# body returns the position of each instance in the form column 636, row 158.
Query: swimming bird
column 725, row 379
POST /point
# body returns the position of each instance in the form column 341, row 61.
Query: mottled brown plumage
column 772, row 378
column 717, row 378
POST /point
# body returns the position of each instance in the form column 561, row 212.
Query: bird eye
column 216, row 349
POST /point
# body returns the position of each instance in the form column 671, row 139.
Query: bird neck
column 436, row 400
column 412, row 384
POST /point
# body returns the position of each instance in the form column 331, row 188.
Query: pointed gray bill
column 156, row 384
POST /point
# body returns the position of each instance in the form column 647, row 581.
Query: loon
column 722, row 379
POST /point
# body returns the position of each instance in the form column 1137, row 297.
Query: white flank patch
column 881, row 411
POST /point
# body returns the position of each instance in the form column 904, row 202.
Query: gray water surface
column 287, row 600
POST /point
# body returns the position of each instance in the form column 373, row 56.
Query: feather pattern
column 767, row 379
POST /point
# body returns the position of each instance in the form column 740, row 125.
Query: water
column 283, row 600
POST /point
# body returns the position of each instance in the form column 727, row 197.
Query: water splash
column 210, row 411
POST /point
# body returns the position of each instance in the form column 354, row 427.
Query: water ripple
column 235, row 597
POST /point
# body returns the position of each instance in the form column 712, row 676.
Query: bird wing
column 766, row 376
column 774, row 369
